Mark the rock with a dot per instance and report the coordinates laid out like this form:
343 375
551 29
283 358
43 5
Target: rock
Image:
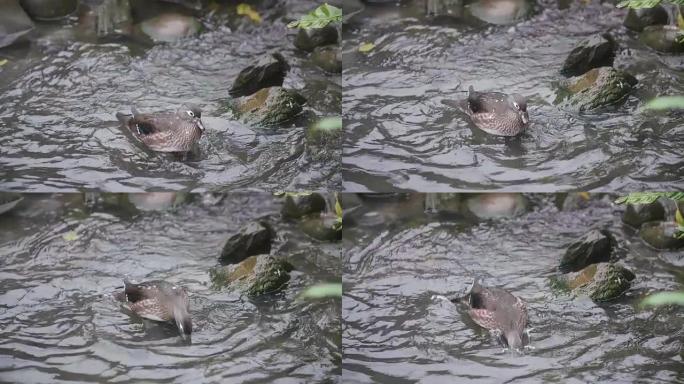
170 27
325 131
636 215
500 12
323 227
9 200
14 23
269 71
49 9
601 281
328 58
308 39
299 205
638 19
596 51
661 235
444 8
269 106
496 205
593 247
572 201
663 38
253 276
599 87
253 239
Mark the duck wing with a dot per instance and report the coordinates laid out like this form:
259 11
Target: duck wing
480 102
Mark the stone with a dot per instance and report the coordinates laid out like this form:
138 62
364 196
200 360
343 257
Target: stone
636 215
253 239
170 27
298 205
49 9
253 276
661 235
601 281
324 227
14 23
596 51
269 71
598 88
269 106
638 19
308 39
663 38
593 247
328 58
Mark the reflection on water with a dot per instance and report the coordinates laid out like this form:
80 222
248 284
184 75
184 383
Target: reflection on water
397 257
58 98
399 134
62 259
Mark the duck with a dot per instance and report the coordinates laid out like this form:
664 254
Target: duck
160 301
494 112
175 132
499 311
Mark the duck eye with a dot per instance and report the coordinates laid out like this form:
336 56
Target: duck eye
516 105
190 113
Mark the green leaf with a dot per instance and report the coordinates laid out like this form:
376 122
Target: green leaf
637 4
664 298
648 197
322 291
318 18
70 236
666 102
366 47
338 207
247 10
329 123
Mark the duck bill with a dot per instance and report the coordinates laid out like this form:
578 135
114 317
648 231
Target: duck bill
525 118
200 125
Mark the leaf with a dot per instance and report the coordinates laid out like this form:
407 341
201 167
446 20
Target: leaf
648 197
679 218
664 298
637 4
366 47
3 62
338 207
247 10
666 102
329 123
322 291
318 18
70 236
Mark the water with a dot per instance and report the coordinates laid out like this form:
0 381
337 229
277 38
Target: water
59 322
396 258
399 135
59 95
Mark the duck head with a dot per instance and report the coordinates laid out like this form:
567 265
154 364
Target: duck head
191 113
182 318
519 104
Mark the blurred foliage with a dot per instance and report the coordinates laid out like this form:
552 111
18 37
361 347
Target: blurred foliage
247 10
366 47
322 291
650 197
636 4
664 298
318 18
338 212
666 102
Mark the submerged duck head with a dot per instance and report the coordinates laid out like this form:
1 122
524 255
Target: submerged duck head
500 312
191 113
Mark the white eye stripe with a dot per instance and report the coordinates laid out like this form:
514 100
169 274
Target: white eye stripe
190 113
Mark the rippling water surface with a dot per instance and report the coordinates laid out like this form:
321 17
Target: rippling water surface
58 98
399 135
59 323
396 258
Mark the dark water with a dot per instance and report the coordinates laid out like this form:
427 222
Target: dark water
58 97
59 323
396 258
399 135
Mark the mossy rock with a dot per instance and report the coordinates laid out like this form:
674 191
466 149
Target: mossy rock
328 58
601 281
49 9
308 39
663 38
299 205
636 215
595 51
593 247
254 276
661 235
638 19
269 106
598 88
269 71
253 239
322 227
